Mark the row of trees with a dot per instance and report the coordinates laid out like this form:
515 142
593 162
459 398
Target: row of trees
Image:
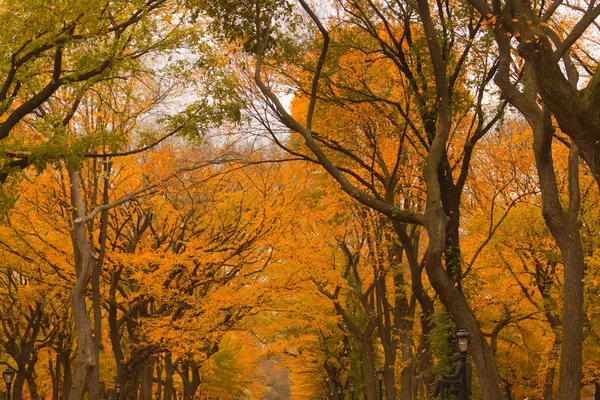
422 128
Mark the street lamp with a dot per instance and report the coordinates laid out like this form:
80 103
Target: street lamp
118 388
463 340
339 390
351 387
331 394
380 379
157 395
8 375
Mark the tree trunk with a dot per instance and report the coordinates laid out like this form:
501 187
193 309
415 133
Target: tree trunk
451 297
33 389
424 353
370 380
572 339
549 383
17 388
146 384
169 371
68 376
551 372
407 356
84 265
464 318
97 311
564 226
159 384
388 334
97 273
56 377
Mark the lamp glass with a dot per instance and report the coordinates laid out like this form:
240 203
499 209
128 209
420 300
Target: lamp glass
339 390
463 344
118 388
463 339
351 386
7 375
379 375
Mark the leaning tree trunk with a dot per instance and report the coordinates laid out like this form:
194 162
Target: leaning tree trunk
436 222
458 307
84 265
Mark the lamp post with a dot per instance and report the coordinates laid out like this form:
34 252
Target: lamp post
157 395
351 387
331 394
339 390
463 340
380 379
8 376
118 388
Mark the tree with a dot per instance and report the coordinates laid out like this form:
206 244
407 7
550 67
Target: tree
437 115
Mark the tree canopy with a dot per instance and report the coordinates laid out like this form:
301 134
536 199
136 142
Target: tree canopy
293 199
